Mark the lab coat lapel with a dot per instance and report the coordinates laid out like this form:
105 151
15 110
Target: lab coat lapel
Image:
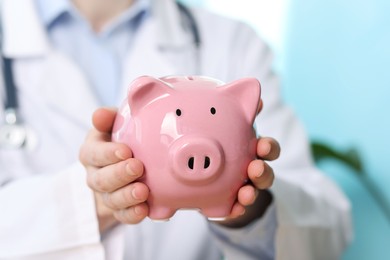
55 83
38 69
66 89
22 35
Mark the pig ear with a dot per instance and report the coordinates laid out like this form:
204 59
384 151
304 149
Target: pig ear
248 92
145 90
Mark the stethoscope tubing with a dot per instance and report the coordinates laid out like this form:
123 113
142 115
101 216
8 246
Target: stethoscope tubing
11 101
192 24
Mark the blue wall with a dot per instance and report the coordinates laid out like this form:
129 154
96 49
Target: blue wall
337 78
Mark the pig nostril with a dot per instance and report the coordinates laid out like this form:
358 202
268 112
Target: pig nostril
206 162
191 163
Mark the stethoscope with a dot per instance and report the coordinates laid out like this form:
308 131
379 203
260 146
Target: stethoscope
14 134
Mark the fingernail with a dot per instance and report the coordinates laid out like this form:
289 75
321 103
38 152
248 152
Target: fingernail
119 155
131 170
137 210
134 194
261 171
266 148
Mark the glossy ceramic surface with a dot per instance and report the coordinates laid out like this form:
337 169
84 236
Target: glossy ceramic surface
195 137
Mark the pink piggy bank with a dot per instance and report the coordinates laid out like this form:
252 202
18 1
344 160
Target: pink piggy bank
195 137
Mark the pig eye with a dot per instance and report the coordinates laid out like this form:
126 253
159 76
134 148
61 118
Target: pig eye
178 112
213 110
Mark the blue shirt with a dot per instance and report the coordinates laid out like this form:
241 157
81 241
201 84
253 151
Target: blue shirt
99 55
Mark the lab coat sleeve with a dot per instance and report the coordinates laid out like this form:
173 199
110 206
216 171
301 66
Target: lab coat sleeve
41 218
255 241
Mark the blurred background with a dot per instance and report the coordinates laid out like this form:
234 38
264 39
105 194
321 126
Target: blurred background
333 58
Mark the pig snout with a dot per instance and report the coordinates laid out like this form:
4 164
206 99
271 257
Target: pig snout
196 159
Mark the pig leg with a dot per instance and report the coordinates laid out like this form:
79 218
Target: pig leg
161 212
215 213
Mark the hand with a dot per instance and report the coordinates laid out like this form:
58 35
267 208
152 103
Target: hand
254 198
112 174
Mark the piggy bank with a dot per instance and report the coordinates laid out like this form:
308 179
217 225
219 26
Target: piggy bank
195 137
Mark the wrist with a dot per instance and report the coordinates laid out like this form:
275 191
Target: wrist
252 212
104 214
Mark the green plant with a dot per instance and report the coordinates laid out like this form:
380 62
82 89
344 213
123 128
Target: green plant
351 158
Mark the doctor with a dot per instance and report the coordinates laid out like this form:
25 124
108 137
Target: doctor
69 58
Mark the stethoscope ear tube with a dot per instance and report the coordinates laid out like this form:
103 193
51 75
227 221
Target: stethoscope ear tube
193 27
11 100
192 23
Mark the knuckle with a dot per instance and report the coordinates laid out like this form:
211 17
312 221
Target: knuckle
132 215
82 154
120 173
121 199
120 215
125 196
85 148
125 216
107 200
90 182
93 157
99 183
108 154
94 181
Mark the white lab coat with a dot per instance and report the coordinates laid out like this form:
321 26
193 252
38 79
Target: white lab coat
47 211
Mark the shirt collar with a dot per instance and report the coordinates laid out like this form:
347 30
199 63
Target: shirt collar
50 10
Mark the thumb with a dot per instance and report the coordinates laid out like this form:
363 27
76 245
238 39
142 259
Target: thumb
103 119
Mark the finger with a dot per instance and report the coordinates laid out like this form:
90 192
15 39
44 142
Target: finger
103 119
261 174
127 196
237 210
246 195
115 176
97 152
268 148
260 107
132 215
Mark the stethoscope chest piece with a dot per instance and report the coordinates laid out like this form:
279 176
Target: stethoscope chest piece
12 136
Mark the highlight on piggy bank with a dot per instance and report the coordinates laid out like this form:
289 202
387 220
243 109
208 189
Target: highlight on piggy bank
195 137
